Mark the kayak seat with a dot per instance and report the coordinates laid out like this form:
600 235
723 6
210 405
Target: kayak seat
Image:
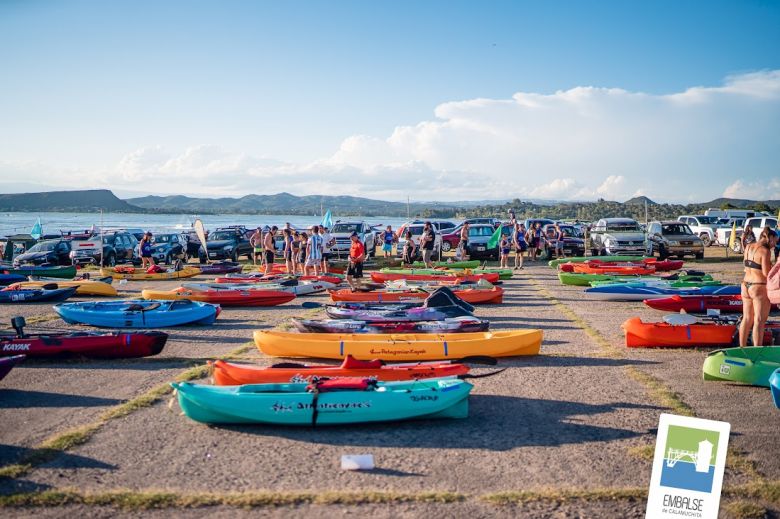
351 362
141 308
340 384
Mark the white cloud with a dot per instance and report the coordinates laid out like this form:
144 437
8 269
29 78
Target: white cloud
768 189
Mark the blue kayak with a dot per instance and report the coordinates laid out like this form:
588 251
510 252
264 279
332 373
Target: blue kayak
138 313
624 292
774 383
36 295
9 279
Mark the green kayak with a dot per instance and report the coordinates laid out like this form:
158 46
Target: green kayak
66 272
751 365
585 280
293 404
471 264
581 259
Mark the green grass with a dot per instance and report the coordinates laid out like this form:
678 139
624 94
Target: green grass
562 496
745 510
660 392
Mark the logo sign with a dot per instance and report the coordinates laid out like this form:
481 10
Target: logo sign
690 456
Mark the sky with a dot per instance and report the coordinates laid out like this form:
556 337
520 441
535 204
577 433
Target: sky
432 100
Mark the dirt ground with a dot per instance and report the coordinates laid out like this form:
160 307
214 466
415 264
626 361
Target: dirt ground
567 433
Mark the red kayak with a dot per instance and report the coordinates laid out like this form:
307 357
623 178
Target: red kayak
113 345
381 277
698 304
276 278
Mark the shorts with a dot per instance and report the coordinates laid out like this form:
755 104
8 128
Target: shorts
288 255
311 262
269 256
426 254
521 247
559 246
387 247
258 251
326 256
504 252
355 270
146 255
534 243
464 244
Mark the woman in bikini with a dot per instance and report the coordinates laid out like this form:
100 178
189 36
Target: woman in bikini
755 301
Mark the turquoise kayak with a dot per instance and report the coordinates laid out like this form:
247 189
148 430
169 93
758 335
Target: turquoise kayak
138 313
351 401
774 383
582 259
751 365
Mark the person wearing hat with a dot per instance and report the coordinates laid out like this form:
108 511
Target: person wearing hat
357 255
145 247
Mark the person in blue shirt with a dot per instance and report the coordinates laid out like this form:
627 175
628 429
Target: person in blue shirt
388 238
145 248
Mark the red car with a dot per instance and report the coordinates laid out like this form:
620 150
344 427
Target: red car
451 240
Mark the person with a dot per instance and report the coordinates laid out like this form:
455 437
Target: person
268 247
256 241
145 247
409 251
427 241
357 254
288 251
538 239
503 248
558 237
314 251
529 237
327 242
755 301
463 244
512 217
296 251
302 252
520 245
748 237
388 237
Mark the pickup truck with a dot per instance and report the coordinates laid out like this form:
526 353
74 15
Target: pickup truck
342 231
617 236
705 227
228 243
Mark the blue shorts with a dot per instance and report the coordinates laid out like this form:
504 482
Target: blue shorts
521 247
387 247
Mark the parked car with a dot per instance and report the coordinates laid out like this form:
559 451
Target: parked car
192 246
573 241
495 222
167 248
723 233
673 238
758 223
451 239
115 247
479 236
51 252
531 222
227 243
617 236
342 231
417 229
702 226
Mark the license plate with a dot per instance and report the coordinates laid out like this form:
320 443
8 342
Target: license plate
480 248
212 255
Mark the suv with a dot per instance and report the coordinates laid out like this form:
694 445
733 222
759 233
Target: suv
52 252
117 247
227 243
705 227
479 236
166 248
495 222
573 242
341 232
673 239
417 229
759 222
530 223
617 236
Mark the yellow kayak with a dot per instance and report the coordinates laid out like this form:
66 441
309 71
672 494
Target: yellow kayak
136 274
84 287
400 347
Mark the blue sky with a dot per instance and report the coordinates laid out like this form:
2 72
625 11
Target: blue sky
121 92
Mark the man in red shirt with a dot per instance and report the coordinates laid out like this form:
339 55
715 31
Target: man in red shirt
357 254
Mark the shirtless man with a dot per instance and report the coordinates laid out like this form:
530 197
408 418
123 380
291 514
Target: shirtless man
268 247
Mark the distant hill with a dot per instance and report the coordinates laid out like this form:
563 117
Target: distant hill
639 200
285 203
66 201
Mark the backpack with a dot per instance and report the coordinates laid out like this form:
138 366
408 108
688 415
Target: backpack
773 284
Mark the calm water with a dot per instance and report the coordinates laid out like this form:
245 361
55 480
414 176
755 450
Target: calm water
684 475
11 223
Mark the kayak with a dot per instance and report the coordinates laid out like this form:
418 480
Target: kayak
292 286
224 295
581 259
753 365
9 279
469 295
84 287
640 334
620 292
114 345
281 268
586 280
441 304
659 283
138 313
35 295
134 274
224 267
699 304
467 264
465 324
329 402
230 374
399 347
381 277
628 269
774 384
275 278
63 272
8 363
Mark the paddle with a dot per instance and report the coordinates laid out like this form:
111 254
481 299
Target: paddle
311 304
477 359
484 375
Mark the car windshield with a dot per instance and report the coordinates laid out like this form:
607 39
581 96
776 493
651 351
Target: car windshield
345 228
707 220
222 235
416 231
481 231
163 238
44 246
675 229
623 227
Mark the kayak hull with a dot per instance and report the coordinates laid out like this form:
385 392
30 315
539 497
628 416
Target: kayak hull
698 304
221 268
640 334
470 295
114 345
774 384
381 277
224 297
84 287
35 295
400 347
8 363
451 325
293 405
581 259
627 293
751 365
141 275
138 313
63 272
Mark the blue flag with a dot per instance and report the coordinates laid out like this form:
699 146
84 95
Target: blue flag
327 221
37 230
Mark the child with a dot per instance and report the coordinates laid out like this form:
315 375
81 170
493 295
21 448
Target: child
504 247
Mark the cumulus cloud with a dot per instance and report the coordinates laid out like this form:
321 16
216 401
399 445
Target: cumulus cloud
768 189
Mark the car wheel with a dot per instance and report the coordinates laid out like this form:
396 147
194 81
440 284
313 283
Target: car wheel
111 260
699 255
705 238
446 246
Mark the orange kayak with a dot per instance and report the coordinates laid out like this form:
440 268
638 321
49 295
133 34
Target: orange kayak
470 295
381 277
230 374
640 334
627 269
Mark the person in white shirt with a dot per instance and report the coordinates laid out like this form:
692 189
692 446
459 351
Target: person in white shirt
327 242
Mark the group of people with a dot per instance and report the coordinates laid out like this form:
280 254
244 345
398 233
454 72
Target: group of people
304 253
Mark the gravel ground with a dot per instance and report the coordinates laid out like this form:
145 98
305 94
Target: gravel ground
567 419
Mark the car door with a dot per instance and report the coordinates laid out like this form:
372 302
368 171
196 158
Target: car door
63 253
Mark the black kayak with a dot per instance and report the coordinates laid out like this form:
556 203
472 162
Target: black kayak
36 295
441 304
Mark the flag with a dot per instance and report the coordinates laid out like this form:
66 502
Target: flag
327 221
493 241
37 230
733 237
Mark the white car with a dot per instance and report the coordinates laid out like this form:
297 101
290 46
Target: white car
703 226
759 222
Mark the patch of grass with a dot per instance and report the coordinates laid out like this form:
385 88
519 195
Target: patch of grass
745 510
660 392
643 452
562 496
